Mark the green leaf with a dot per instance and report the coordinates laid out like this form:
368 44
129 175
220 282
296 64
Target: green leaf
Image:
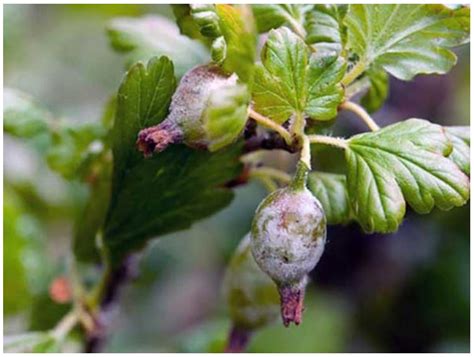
46 313
378 90
406 40
331 191
16 241
25 266
23 117
93 214
219 50
324 30
143 100
207 19
171 190
272 16
226 115
68 148
184 20
289 81
72 146
149 36
231 28
30 342
461 140
405 161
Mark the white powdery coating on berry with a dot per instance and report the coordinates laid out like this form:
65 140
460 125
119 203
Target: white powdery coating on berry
192 97
288 235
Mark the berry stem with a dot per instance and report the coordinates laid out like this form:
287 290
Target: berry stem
306 152
299 180
361 113
328 140
270 124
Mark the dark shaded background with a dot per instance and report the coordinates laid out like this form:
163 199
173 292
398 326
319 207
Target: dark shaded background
404 292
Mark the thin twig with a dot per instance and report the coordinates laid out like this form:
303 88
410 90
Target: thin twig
268 123
361 113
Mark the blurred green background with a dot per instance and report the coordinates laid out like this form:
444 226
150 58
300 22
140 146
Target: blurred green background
404 292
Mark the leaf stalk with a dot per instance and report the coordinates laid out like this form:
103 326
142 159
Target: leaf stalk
328 140
361 113
270 124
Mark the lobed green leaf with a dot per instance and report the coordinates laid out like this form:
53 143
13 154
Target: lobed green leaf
461 140
407 39
272 16
289 81
171 190
405 161
324 29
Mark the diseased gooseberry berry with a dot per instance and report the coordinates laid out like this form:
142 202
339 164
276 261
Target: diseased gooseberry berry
188 122
288 236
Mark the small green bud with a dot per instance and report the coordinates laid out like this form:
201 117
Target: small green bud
288 237
207 111
252 297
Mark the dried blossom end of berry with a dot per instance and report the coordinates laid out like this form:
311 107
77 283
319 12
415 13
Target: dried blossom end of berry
157 138
292 303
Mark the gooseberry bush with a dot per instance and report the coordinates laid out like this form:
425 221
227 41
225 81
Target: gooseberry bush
193 113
